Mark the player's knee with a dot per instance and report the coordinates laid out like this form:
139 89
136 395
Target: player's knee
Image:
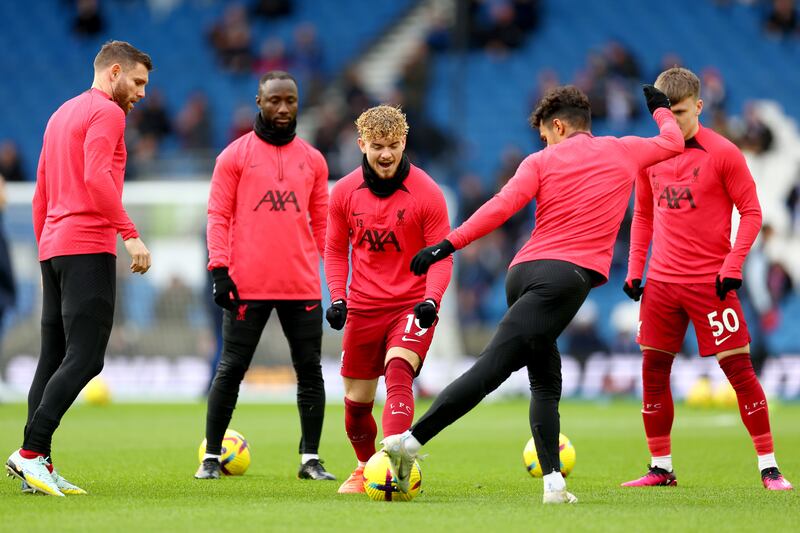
230 371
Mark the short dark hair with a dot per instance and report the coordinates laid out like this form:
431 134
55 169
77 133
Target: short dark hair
276 75
566 102
123 53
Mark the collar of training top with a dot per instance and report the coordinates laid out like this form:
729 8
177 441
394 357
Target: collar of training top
268 133
385 187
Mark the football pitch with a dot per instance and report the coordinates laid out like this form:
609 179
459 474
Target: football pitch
137 463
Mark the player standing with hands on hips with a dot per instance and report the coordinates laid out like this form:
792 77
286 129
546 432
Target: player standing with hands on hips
77 215
684 207
582 185
380 214
266 234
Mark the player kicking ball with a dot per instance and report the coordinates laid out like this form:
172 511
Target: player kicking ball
684 206
582 185
380 215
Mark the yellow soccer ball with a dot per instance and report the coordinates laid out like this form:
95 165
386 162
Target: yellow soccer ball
235 458
566 453
724 395
380 485
700 394
97 392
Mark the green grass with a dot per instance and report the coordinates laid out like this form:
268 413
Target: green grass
137 463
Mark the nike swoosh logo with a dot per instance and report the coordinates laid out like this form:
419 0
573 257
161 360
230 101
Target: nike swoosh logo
255 165
358 214
410 340
399 413
435 252
648 412
720 341
311 307
754 411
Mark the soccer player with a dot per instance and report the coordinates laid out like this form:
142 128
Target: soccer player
684 206
77 214
266 234
581 184
380 214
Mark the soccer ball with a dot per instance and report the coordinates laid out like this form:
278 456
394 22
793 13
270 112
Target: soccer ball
380 485
235 456
700 394
97 392
724 395
566 453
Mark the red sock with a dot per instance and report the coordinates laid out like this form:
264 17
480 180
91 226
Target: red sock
361 428
752 402
657 408
398 412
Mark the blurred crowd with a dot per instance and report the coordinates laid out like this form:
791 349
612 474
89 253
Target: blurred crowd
611 77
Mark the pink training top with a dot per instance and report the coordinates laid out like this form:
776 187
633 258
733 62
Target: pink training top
385 234
684 204
267 212
582 186
77 205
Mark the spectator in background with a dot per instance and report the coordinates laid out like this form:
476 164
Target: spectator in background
174 302
152 118
88 20
272 8
582 337
754 135
713 91
621 62
232 39
242 122
8 289
193 124
11 167
271 57
308 62
783 19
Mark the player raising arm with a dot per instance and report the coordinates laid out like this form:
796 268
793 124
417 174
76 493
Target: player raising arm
684 207
582 185
380 215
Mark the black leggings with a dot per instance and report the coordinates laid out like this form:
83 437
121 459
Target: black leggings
78 293
542 296
301 321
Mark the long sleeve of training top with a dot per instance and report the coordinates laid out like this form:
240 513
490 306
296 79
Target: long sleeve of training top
582 186
267 216
685 204
77 206
641 227
379 237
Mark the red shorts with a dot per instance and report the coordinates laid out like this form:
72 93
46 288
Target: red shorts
667 308
369 333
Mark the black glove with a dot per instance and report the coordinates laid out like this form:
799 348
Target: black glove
727 284
425 313
428 256
336 315
633 289
655 98
224 287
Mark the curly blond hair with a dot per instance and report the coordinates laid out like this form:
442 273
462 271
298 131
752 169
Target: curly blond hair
382 122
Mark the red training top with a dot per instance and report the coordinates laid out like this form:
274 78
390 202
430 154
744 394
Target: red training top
385 234
582 186
77 205
684 204
266 218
